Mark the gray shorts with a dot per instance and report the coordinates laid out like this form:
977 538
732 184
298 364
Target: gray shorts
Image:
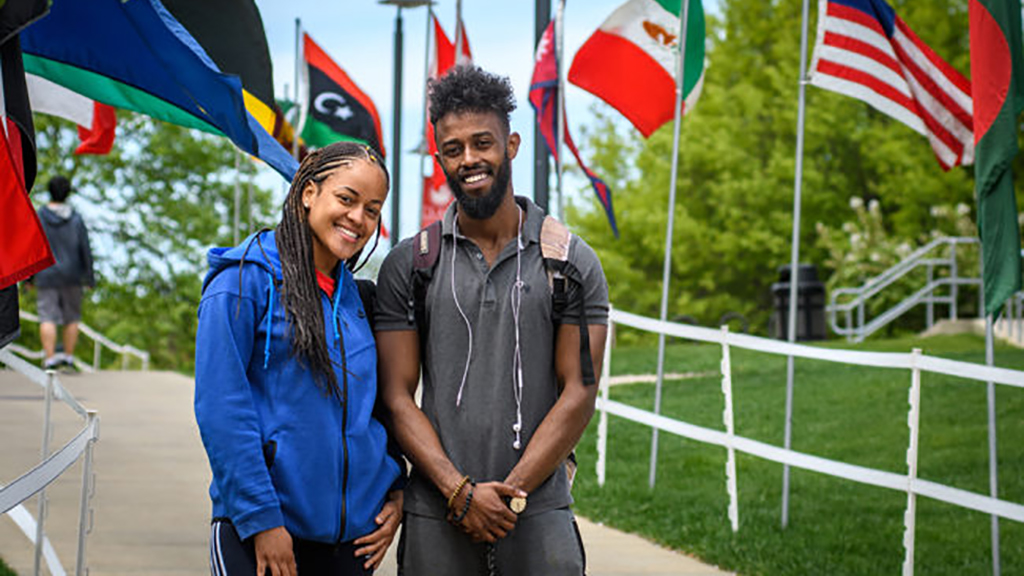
542 544
60 305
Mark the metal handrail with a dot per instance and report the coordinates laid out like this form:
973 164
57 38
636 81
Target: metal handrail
99 340
52 466
857 327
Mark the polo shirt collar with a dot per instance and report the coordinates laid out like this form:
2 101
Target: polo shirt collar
531 228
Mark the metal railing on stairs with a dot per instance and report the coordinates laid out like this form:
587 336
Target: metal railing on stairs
99 342
51 466
942 287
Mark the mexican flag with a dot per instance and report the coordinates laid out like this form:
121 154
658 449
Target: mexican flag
630 61
998 97
333 107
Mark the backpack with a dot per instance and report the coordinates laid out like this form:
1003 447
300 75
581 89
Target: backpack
554 245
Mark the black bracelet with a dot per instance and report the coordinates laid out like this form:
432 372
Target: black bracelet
457 519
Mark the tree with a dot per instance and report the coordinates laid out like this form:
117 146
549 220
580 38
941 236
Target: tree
733 217
154 206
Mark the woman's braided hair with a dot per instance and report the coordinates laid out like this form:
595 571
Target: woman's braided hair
300 291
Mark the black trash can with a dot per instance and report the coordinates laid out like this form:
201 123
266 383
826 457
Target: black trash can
810 304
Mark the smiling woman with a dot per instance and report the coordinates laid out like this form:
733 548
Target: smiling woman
301 472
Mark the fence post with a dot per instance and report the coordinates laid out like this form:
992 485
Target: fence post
955 285
602 422
95 355
45 453
88 488
913 422
860 320
730 431
124 360
930 308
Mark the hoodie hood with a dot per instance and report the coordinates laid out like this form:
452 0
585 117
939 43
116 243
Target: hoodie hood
56 215
259 248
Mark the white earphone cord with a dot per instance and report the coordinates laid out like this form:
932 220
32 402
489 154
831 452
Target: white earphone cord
469 328
516 300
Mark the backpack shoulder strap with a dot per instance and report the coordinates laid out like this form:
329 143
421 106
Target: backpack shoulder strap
426 250
555 240
368 295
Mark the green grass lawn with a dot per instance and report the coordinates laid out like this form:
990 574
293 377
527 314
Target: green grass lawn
847 413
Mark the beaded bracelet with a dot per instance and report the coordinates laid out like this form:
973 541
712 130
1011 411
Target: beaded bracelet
458 488
457 519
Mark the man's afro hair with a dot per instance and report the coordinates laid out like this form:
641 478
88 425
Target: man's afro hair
468 88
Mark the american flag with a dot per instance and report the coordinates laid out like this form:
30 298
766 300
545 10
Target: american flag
544 98
864 50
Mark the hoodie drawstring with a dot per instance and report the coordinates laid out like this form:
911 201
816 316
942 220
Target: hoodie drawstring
270 316
334 309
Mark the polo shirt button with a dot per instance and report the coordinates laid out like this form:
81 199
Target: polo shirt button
479 256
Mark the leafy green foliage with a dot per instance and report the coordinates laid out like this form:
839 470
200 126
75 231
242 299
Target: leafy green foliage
846 413
733 213
154 206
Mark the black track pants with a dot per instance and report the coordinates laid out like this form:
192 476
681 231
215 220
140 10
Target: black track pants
231 556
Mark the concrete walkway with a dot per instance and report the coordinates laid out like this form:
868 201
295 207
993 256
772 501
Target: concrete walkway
151 507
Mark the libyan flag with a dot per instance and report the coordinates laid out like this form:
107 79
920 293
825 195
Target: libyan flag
630 61
335 108
998 98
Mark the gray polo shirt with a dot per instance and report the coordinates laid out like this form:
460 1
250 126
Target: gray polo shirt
477 435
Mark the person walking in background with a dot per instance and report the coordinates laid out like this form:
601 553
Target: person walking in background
286 383
59 288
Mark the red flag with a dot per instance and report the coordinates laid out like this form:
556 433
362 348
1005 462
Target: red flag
98 138
25 249
436 194
96 122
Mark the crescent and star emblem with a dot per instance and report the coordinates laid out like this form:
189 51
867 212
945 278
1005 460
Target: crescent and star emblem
333 104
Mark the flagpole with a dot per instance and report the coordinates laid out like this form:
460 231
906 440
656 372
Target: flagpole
425 152
794 261
993 453
298 63
458 31
396 136
541 195
993 466
560 116
667 268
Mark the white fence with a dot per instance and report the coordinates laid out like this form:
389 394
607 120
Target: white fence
51 467
909 483
99 341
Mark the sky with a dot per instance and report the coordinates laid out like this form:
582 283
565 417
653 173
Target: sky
359 36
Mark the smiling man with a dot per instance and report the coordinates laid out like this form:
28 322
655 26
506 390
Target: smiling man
508 335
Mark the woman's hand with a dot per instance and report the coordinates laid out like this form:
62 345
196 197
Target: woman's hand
374 545
274 552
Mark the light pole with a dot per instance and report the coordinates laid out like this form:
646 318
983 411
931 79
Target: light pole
396 138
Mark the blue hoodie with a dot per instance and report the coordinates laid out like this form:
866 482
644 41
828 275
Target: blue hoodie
283 451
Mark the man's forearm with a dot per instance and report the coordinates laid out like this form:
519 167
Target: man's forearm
421 445
555 438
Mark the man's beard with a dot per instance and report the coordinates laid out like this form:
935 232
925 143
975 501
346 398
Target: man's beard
483 207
